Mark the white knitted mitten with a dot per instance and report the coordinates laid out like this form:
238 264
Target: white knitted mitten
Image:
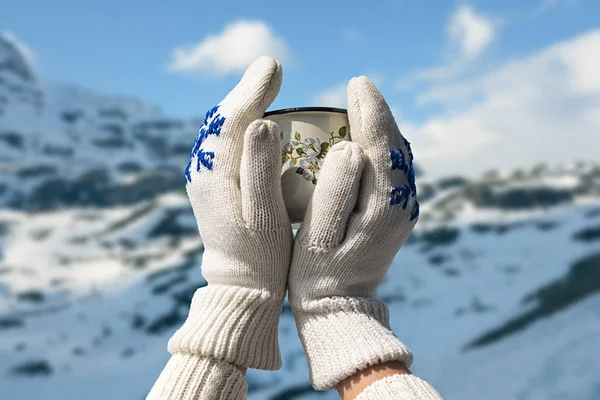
234 186
349 236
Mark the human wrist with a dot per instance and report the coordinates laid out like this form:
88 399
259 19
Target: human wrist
398 386
352 386
193 377
352 331
234 324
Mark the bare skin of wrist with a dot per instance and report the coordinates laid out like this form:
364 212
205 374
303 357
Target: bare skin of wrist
352 386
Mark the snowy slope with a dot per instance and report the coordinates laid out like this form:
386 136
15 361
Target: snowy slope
497 292
60 143
82 309
91 297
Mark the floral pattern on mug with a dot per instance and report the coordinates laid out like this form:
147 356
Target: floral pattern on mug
308 154
309 167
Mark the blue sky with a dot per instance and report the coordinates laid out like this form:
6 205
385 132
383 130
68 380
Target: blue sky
435 61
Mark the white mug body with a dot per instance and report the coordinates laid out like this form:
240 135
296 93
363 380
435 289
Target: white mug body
306 136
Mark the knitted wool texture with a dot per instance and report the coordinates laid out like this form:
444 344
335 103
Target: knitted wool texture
352 230
189 377
234 186
399 387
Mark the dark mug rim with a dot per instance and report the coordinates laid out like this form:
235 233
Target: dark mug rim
306 109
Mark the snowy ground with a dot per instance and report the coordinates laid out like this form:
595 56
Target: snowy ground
85 318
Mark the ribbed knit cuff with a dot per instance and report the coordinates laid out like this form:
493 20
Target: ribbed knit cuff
404 386
233 324
342 335
189 377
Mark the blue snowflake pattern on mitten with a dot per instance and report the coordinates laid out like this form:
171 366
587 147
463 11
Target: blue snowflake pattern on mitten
400 194
398 160
411 180
212 125
415 212
409 150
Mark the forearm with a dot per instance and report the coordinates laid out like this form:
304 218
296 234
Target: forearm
344 335
386 381
352 386
227 330
192 377
351 347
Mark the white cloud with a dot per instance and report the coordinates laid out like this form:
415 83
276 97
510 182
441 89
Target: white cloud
543 108
25 51
469 34
438 73
333 97
231 50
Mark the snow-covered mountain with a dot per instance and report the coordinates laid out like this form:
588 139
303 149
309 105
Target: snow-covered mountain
497 292
62 145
